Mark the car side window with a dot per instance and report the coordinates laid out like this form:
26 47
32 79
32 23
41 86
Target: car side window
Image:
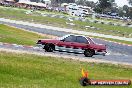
70 38
81 39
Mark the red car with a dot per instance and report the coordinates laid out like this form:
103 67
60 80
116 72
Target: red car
73 43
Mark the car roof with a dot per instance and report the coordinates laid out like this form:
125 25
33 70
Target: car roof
75 35
70 35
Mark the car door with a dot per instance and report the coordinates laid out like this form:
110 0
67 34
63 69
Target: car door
81 44
66 43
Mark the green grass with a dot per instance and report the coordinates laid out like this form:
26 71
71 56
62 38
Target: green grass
35 17
114 20
43 11
106 29
114 40
13 35
118 41
31 71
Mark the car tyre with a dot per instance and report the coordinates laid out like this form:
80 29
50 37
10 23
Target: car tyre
49 48
89 53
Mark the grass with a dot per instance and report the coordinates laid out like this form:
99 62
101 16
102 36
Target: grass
42 11
35 17
61 22
106 29
31 71
114 20
13 35
114 40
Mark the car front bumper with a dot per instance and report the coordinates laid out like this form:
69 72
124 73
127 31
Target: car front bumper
40 45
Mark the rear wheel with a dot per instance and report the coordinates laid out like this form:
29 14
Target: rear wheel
89 53
49 47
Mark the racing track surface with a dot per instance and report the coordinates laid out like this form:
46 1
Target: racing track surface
116 52
39 51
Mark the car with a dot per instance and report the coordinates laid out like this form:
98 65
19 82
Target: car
74 44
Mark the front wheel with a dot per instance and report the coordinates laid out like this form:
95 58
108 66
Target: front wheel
89 53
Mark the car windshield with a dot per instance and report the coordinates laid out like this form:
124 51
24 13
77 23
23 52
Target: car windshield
61 38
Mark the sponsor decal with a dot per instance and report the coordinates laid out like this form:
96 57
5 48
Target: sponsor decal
85 81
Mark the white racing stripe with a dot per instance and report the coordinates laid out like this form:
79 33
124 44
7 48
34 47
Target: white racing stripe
69 49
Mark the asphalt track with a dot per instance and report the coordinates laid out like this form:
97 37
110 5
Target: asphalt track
116 52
